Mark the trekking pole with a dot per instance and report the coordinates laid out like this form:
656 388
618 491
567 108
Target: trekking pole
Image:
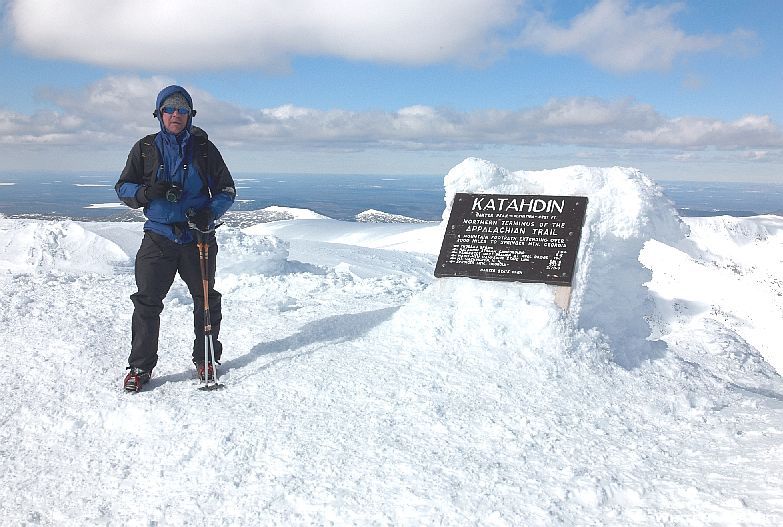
209 346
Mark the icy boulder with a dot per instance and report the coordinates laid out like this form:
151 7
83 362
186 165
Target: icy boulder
32 245
625 210
242 253
727 232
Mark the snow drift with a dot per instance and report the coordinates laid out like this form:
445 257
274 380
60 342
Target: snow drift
66 246
361 390
625 210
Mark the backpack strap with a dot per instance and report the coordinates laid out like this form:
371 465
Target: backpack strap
201 159
149 157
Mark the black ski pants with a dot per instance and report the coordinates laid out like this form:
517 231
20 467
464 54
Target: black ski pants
157 262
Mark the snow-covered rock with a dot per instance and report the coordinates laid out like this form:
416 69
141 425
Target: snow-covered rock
625 209
39 246
377 216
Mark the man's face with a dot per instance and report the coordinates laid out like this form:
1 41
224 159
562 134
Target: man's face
174 122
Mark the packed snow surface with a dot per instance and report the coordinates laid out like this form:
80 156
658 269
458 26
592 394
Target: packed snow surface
360 390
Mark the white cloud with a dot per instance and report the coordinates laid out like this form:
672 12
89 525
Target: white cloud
756 155
178 35
751 131
617 37
117 110
188 34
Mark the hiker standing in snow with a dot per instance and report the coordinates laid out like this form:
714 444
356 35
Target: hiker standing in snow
178 176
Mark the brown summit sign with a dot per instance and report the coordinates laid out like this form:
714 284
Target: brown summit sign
514 238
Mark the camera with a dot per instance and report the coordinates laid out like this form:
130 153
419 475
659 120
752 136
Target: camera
173 194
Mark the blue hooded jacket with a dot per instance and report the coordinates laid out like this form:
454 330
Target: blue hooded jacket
175 156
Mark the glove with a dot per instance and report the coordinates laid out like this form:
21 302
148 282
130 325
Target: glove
200 218
156 191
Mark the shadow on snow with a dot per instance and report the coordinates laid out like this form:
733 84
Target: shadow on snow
332 329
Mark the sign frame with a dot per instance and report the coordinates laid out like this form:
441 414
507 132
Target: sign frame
516 238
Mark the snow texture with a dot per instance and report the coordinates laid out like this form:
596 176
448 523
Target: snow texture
360 390
377 216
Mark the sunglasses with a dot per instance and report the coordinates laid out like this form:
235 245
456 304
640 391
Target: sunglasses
171 109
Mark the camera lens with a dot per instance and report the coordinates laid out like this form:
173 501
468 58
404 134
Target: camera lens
173 194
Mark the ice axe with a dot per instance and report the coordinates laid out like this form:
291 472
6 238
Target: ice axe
202 243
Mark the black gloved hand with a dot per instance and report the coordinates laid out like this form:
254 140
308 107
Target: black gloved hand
200 218
156 191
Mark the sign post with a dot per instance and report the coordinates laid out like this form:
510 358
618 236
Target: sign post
514 238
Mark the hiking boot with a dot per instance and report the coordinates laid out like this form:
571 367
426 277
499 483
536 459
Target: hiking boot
206 372
135 378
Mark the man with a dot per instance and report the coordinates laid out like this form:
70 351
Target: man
178 176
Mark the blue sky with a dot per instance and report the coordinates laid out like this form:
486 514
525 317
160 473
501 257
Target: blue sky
687 90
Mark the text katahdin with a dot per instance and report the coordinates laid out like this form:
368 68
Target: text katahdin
518 205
